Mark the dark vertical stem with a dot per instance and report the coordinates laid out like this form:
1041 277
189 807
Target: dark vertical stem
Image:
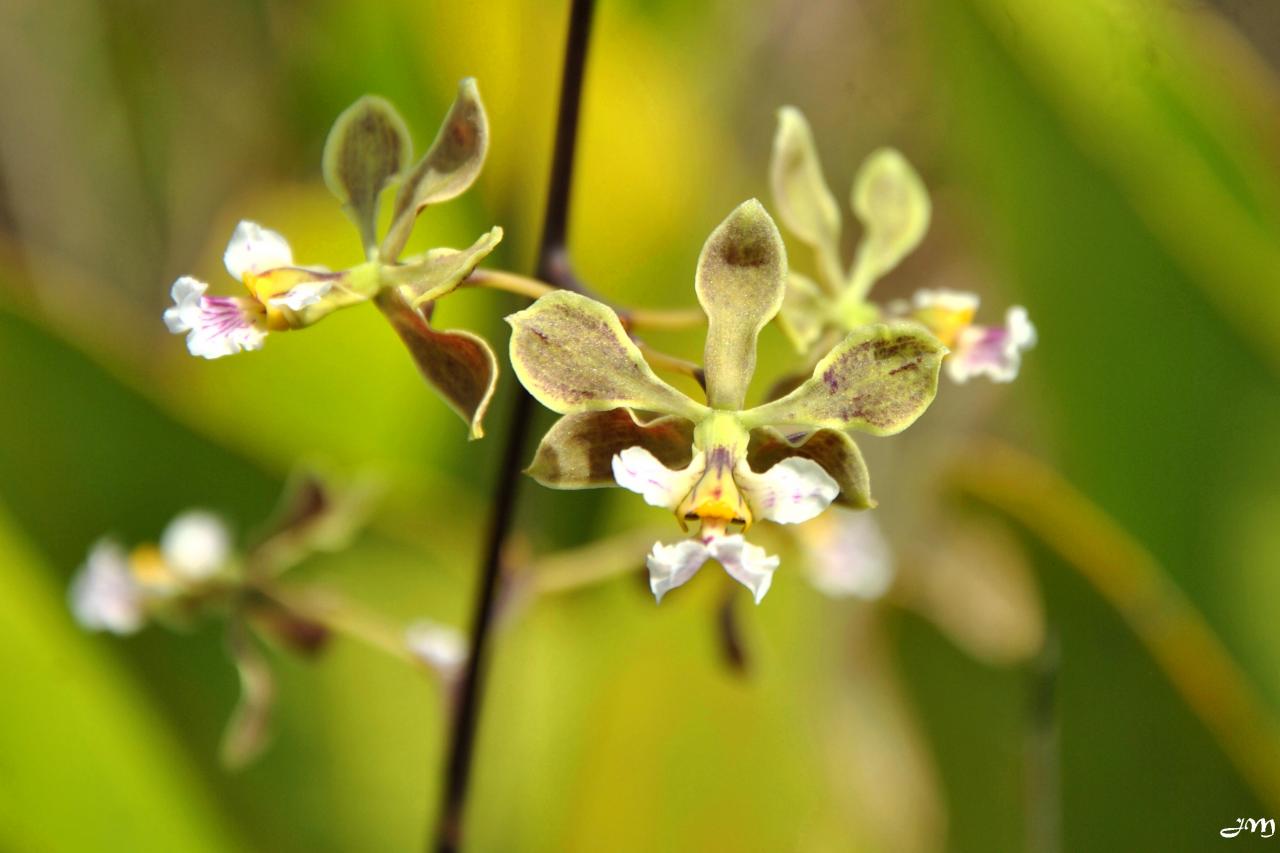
1043 789
553 267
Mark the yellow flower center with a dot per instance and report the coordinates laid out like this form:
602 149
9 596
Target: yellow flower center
946 323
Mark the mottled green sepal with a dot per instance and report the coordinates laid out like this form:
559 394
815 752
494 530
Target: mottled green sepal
573 355
368 146
805 202
835 451
804 312
879 379
459 365
577 452
740 284
893 205
449 167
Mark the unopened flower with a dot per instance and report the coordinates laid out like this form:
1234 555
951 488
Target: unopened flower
440 647
892 204
720 464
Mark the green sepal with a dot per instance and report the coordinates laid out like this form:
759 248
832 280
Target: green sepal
573 355
740 283
440 271
879 379
805 203
893 205
450 166
367 147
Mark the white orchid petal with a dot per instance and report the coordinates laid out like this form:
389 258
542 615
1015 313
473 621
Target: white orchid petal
792 491
992 351
217 325
671 566
748 564
946 300
438 646
640 471
848 555
254 249
103 595
196 545
301 296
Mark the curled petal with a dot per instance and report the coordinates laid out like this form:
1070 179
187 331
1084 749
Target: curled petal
196 545
573 355
459 365
879 379
254 249
578 451
792 491
834 450
637 470
216 325
993 351
805 202
442 270
103 595
449 167
748 564
671 566
740 284
848 555
301 296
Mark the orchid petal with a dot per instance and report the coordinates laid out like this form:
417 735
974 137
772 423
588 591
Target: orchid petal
740 284
254 249
578 451
671 566
217 325
196 545
993 351
301 296
638 470
834 450
848 555
792 491
748 564
103 595
440 647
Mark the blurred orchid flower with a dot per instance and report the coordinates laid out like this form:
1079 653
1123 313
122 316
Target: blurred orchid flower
367 149
721 464
440 647
891 202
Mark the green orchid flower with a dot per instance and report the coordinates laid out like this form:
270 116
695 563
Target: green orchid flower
718 463
367 150
891 203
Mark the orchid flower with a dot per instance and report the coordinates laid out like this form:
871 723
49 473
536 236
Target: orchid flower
720 464
892 204
367 149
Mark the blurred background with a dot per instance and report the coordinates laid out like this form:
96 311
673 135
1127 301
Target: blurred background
1081 652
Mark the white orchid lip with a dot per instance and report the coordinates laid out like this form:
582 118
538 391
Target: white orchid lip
216 325
671 566
196 545
104 595
992 351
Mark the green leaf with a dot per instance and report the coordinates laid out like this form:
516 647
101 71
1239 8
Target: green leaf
85 763
805 203
441 271
573 355
367 147
577 452
893 205
449 167
740 283
879 379
459 365
834 450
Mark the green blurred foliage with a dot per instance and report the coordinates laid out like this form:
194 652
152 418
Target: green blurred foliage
1111 165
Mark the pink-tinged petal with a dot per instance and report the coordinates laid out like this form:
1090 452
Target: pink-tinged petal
794 490
748 564
640 471
302 295
992 351
254 249
103 595
671 566
196 545
216 325
848 555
